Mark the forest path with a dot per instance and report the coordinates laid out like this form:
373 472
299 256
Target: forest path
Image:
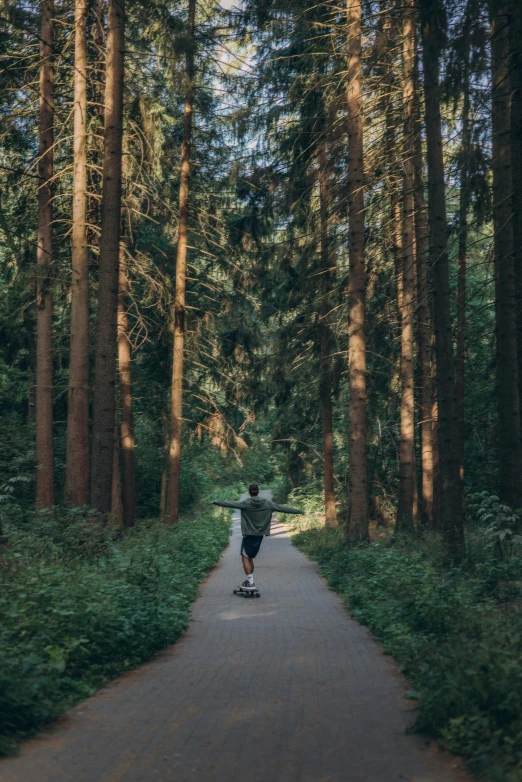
278 689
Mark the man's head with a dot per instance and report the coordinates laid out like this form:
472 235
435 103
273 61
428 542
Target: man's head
253 489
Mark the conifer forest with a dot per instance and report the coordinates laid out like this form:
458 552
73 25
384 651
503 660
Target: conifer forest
276 242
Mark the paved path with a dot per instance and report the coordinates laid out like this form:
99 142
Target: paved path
285 688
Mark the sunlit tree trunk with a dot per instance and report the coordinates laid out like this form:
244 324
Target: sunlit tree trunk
462 260
405 511
357 522
451 500
106 327
423 332
165 470
510 452
325 353
98 37
44 256
424 340
127 421
172 512
77 456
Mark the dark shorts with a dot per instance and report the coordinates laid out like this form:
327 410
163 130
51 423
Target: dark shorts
251 545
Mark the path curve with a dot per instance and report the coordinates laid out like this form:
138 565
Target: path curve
285 688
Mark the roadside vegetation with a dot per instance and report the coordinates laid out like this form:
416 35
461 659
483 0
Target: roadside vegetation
456 633
80 605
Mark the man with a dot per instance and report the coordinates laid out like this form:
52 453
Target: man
256 514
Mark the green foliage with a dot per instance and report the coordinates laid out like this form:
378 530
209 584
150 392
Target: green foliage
79 605
500 523
459 646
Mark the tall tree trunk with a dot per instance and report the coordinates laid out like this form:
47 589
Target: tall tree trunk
165 470
515 36
116 503
357 522
405 511
77 454
106 328
44 256
98 37
97 64
325 354
451 500
462 259
127 422
181 265
510 450
424 335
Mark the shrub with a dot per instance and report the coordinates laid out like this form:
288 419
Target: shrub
79 605
459 647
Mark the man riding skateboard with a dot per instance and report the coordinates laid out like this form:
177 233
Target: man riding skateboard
256 514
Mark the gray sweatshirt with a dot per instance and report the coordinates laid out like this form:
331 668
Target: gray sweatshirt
256 513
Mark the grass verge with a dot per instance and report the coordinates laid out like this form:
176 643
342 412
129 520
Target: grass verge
80 605
457 636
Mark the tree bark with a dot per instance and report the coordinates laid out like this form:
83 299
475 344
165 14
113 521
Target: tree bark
106 327
423 332
127 421
44 262
325 355
172 513
451 500
116 503
462 260
165 470
77 452
357 522
510 450
405 510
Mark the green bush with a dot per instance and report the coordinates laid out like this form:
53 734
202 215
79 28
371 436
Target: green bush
458 642
80 605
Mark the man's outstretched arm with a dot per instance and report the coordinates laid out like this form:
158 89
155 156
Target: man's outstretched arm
226 504
285 509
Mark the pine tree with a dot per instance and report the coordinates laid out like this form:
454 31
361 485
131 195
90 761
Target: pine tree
407 478
77 460
451 499
106 325
510 452
44 264
181 273
424 331
357 523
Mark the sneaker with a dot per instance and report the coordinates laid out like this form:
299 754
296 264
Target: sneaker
246 586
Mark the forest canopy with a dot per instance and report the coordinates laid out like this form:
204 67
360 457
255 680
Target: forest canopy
287 226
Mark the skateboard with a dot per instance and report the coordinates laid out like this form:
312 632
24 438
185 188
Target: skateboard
252 593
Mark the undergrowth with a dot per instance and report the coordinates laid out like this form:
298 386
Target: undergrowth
80 605
456 634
